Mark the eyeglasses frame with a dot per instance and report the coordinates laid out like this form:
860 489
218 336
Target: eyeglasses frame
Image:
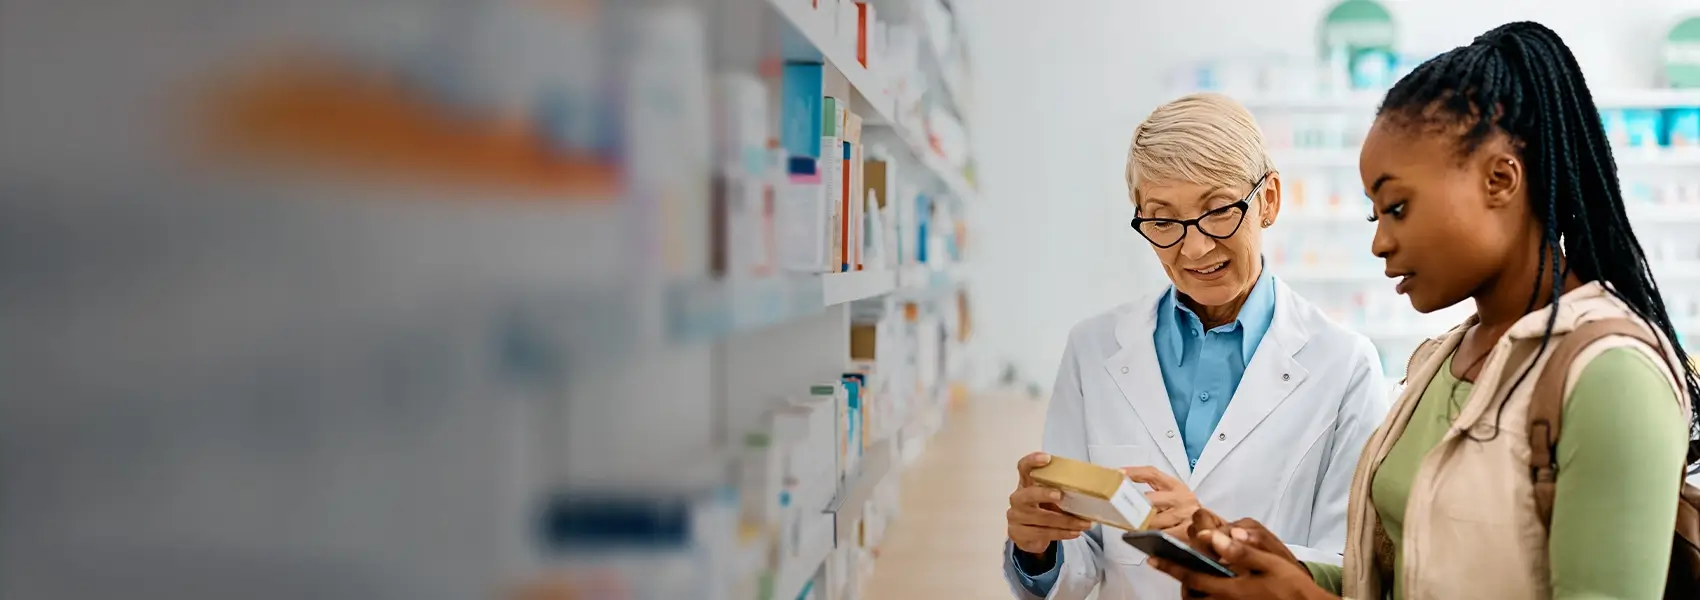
1244 204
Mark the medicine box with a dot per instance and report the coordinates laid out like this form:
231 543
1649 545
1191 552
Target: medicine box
1095 493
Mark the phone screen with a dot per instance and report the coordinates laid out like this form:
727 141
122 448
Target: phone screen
1166 547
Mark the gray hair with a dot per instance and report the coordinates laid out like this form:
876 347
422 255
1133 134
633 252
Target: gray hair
1200 138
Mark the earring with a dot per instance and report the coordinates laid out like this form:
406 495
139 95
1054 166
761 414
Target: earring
1266 223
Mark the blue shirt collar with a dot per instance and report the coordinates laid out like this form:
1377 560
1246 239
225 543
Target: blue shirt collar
1255 318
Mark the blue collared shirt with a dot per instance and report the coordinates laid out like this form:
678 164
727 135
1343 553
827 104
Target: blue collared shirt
1201 370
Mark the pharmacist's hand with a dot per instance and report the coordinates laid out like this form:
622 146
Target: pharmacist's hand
1171 502
1035 522
1261 575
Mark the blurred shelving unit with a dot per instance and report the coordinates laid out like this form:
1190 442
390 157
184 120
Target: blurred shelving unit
491 295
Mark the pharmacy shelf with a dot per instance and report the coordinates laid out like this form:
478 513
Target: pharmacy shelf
1366 102
953 179
853 494
838 288
933 50
700 310
811 37
797 572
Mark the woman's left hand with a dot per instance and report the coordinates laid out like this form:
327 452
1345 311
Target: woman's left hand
1172 502
1261 575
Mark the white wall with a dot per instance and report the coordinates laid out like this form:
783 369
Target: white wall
1060 86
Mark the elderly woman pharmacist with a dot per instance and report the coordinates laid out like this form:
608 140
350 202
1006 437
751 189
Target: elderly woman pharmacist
1225 388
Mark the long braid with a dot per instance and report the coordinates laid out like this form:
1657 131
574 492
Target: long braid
1522 80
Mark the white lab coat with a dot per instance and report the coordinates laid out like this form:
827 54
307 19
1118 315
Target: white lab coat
1283 453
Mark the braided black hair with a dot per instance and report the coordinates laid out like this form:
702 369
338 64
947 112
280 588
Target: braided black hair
1522 81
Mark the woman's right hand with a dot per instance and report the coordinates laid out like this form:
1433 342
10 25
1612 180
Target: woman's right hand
1035 522
1261 575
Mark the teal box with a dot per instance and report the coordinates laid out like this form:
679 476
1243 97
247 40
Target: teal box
1681 127
1642 127
800 109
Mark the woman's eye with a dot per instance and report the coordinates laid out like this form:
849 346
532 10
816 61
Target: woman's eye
1397 211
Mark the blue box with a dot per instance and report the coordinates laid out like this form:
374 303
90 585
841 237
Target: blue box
1681 127
800 109
1642 127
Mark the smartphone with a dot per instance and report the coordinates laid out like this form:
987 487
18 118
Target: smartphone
1166 547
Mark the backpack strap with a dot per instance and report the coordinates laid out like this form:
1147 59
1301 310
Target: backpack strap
1546 406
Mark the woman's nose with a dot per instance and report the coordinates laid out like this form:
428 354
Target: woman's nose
1196 244
1382 244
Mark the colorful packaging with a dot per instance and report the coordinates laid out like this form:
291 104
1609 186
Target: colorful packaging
1642 127
1682 127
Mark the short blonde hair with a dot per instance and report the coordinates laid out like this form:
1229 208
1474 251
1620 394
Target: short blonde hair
1199 138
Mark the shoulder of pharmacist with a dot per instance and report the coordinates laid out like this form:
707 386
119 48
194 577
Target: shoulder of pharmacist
1325 341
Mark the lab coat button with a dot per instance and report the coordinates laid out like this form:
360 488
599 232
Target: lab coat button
1286 376
1124 370
1222 437
1171 433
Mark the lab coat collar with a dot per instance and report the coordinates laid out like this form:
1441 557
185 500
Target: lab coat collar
1271 376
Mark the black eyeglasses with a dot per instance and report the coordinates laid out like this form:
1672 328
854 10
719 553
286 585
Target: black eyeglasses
1221 223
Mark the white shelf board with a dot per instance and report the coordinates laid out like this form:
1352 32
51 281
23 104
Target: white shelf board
849 287
1641 158
1646 98
795 572
852 497
1363 102
710 309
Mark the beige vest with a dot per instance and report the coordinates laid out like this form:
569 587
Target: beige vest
1471 527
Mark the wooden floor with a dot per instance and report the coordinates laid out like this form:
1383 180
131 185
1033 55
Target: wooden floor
950 533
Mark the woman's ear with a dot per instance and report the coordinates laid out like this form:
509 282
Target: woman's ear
1269 202
1504 178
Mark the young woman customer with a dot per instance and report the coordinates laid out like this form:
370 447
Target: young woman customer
1492 181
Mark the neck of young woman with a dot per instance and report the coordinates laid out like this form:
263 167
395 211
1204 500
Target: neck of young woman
1505 298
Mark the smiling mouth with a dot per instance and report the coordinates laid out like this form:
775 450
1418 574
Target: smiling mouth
1210 269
